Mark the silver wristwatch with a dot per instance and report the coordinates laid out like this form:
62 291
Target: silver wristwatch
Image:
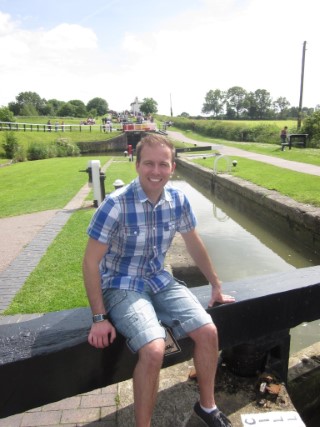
99 318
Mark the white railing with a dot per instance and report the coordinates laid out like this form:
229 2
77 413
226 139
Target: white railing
53 127
62 127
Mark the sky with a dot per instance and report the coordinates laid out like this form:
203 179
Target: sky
174 51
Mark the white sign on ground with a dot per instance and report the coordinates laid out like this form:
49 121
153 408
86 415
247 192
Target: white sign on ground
268 419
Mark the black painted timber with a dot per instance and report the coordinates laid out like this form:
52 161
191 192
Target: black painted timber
196 148
47 359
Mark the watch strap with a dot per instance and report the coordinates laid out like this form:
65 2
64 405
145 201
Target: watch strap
96 318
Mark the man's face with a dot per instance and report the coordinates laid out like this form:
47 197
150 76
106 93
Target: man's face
154 169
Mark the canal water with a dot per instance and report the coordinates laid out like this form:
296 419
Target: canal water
240 248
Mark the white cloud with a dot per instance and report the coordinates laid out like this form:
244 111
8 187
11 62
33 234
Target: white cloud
7 26
54 63
248 43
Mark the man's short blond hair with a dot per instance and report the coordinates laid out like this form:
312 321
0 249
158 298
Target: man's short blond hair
152 140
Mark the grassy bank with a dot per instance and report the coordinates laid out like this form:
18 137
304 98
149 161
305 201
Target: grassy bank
41 185
301 187
56 283
39 136
25 139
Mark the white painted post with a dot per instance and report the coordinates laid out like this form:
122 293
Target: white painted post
95 170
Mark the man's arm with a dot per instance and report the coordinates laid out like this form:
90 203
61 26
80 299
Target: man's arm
102 333
199 254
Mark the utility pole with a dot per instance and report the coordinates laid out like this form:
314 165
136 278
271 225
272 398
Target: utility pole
171 106
301 84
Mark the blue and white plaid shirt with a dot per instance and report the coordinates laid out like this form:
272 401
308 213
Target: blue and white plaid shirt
138 235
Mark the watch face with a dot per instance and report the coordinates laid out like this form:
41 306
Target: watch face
99 317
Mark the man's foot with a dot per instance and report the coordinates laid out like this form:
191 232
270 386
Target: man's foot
213 419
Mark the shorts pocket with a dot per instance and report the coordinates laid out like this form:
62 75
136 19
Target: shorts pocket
113 297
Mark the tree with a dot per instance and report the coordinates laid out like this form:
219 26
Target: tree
240 104
14 108
293 112
80 108
28 110
6 115
53 106
259 104
252 106
230 113
281 106
236 98
263 103
98 104
311 126
67 110
30 99
214 102
148 106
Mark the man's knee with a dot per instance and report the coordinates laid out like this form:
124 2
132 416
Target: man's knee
152 353
207 333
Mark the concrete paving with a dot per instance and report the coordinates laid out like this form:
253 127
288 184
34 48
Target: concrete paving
110 406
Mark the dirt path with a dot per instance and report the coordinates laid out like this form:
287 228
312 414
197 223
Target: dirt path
16 232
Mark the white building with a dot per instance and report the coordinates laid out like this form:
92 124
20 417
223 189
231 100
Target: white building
135 106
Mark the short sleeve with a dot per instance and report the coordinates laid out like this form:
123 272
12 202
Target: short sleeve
104 222
188 219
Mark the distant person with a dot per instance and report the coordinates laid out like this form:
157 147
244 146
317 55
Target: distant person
49 125
284 135
130 153
130 291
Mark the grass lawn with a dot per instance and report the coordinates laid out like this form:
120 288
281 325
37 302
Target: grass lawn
56 283
301 187
41 185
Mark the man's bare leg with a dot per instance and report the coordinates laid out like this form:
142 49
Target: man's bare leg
146 381
205 361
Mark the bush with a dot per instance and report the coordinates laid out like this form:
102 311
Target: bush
6 115
11 145
37 152
311 126
20 154
240 131
64 148
60 148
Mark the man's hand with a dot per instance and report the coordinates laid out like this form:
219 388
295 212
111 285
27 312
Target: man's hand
217 296
102 334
